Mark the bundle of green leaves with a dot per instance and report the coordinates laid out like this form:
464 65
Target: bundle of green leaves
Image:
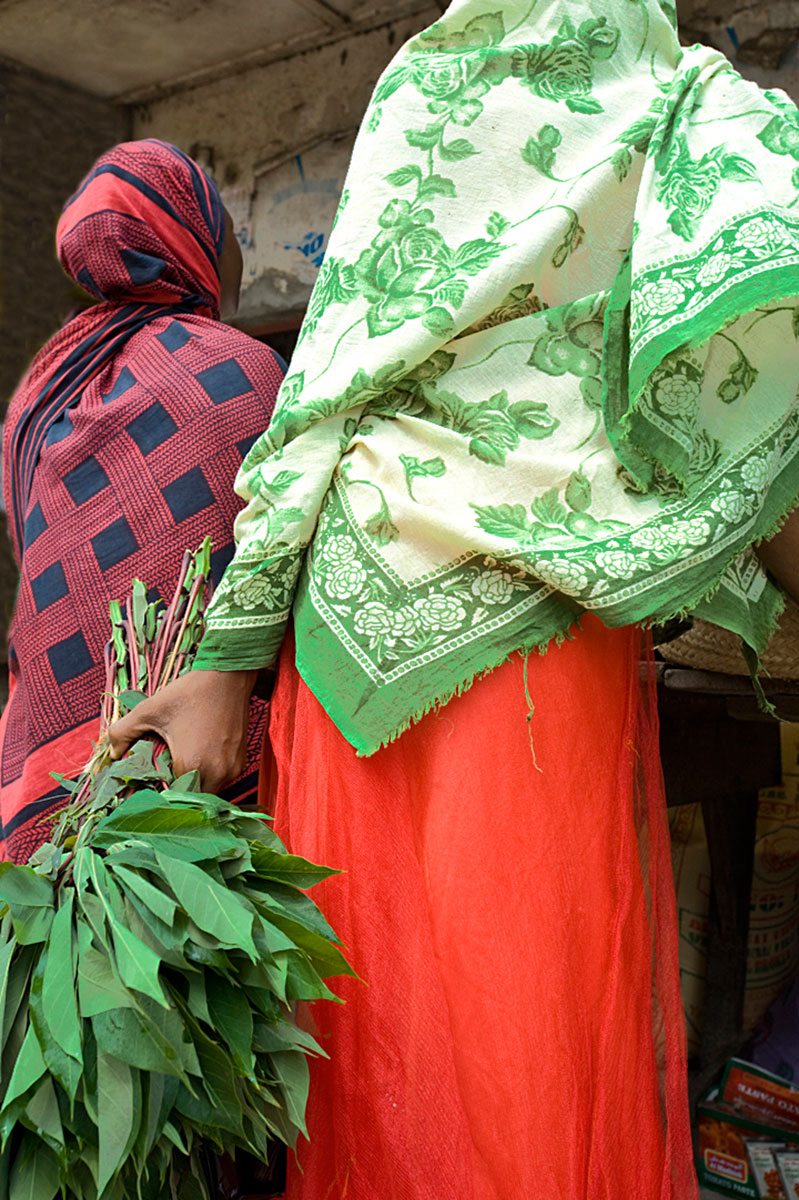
151 955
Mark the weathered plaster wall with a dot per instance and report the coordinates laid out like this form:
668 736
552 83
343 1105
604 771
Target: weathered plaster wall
49 135
760 36
278 139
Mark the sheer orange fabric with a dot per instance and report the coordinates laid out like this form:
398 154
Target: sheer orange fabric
518 1031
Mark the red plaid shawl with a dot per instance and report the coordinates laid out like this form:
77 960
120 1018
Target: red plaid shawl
121 446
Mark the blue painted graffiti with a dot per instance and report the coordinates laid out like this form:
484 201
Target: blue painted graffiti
311 246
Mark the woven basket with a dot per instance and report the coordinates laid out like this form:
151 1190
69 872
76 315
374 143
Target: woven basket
709 648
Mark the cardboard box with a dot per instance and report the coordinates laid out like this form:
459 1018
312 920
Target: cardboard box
748 1121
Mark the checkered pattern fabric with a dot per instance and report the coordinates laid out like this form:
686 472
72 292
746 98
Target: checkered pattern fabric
113 479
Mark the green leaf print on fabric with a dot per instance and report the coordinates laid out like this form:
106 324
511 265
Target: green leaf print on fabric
519 302
539 151
459 320
409 270
741 379
573 345
413 468
563 69
493 426
578 491
781 134
688 186
379 525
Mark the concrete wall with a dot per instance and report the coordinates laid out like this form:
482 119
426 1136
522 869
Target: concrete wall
49 136
278 140
760 36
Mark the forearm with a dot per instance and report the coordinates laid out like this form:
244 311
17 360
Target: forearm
780 556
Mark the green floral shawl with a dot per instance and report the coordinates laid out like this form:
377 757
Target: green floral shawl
549 366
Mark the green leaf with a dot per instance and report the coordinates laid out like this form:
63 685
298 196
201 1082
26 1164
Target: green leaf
6 957
303 981
457 149
198 1001
578 492
156 900
42 1115
639 134
424 139
15 987
23 886
475 255
231 1017
137 964
31 925
14 1038
496 225
186 833
533 419
189 781
795 322
436 185
548 508
737 169
129 699
504 520
291 1068
214 909
35 1174
28 1069
389 82
67 1070
584 104
621 161
773 136
300 907
99 988
403 175
485 29
291 868
58 987
439 321
326 959
129 1035
115 1113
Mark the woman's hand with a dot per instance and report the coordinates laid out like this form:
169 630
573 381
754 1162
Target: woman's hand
202 717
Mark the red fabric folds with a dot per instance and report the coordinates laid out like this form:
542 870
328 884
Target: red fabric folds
518 1031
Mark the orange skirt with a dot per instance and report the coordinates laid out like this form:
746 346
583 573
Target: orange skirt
507 903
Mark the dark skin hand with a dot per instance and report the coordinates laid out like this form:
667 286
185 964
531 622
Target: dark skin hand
202 717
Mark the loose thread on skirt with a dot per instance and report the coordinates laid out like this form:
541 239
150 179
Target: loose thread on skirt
530 710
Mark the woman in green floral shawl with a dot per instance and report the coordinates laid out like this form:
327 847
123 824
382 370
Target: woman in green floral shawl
546 388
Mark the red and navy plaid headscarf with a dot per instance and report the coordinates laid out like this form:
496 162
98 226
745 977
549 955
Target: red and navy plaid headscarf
143 233
121 447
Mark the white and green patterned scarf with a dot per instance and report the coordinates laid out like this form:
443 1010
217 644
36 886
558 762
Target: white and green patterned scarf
550 364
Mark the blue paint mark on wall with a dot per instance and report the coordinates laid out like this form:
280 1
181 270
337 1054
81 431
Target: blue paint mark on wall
312 247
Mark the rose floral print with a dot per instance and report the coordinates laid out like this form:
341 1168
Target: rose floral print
549 365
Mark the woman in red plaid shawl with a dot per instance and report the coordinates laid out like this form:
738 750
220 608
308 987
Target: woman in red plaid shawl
120 450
